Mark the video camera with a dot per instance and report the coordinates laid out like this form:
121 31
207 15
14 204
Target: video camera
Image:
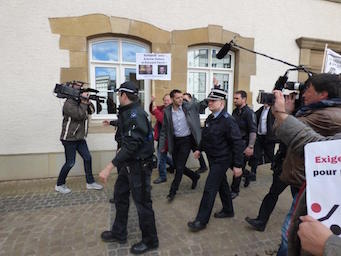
67 91
286 87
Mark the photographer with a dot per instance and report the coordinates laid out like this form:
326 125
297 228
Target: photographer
74 131
315 238
322 112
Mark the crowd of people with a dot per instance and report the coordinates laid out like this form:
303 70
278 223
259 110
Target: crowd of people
245 138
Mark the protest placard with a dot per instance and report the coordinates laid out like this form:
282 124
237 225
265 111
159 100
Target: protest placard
153 66
323 176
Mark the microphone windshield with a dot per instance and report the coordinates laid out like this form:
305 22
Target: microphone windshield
223 51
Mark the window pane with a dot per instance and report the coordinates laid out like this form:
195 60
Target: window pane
223 80
130 75
129 51
197 84
105 51
198 58
106 83
223 63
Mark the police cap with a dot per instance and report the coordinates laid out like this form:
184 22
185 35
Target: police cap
128 87
217 94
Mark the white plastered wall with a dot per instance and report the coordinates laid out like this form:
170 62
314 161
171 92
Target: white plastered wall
31 59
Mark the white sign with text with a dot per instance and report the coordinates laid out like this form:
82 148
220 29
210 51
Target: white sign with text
153 66
332 63
323 175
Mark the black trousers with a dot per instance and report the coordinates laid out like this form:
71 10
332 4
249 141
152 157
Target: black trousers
236 180
263 148
201 158
134 177
270 200
182 148
216 181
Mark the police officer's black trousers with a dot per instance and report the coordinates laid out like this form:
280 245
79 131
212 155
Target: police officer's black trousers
236 180
216 181
135 178
182 148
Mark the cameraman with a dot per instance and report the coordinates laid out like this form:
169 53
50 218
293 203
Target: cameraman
74 131
314 237
322 112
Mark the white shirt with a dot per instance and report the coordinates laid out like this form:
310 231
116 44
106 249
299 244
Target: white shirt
262 127
181 128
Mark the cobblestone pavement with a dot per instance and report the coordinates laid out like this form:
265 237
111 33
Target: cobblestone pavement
35 220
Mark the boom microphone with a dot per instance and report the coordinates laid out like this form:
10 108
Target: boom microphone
224 50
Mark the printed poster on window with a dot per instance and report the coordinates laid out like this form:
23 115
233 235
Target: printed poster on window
323 174
153 66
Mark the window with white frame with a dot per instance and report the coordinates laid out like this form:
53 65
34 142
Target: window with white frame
112 61
204 70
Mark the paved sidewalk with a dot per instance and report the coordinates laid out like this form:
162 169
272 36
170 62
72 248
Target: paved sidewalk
35 220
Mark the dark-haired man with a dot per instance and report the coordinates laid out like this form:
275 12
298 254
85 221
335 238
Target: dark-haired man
265 141
181 128
134 159
325 105
246 121
322 112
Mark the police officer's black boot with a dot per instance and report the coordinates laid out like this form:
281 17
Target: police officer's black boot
222 214
143 247
108 236
195 181
247 178
257 224
170 196
196 226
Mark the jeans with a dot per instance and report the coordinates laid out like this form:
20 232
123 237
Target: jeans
164 159
283 248
70 155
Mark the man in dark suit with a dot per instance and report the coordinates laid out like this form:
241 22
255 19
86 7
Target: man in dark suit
181 128
265 141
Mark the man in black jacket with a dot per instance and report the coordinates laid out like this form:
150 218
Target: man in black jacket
265 141
246 120
134 162
223 145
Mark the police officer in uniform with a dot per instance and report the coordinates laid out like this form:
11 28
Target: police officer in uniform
223 145
134 163
246 120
